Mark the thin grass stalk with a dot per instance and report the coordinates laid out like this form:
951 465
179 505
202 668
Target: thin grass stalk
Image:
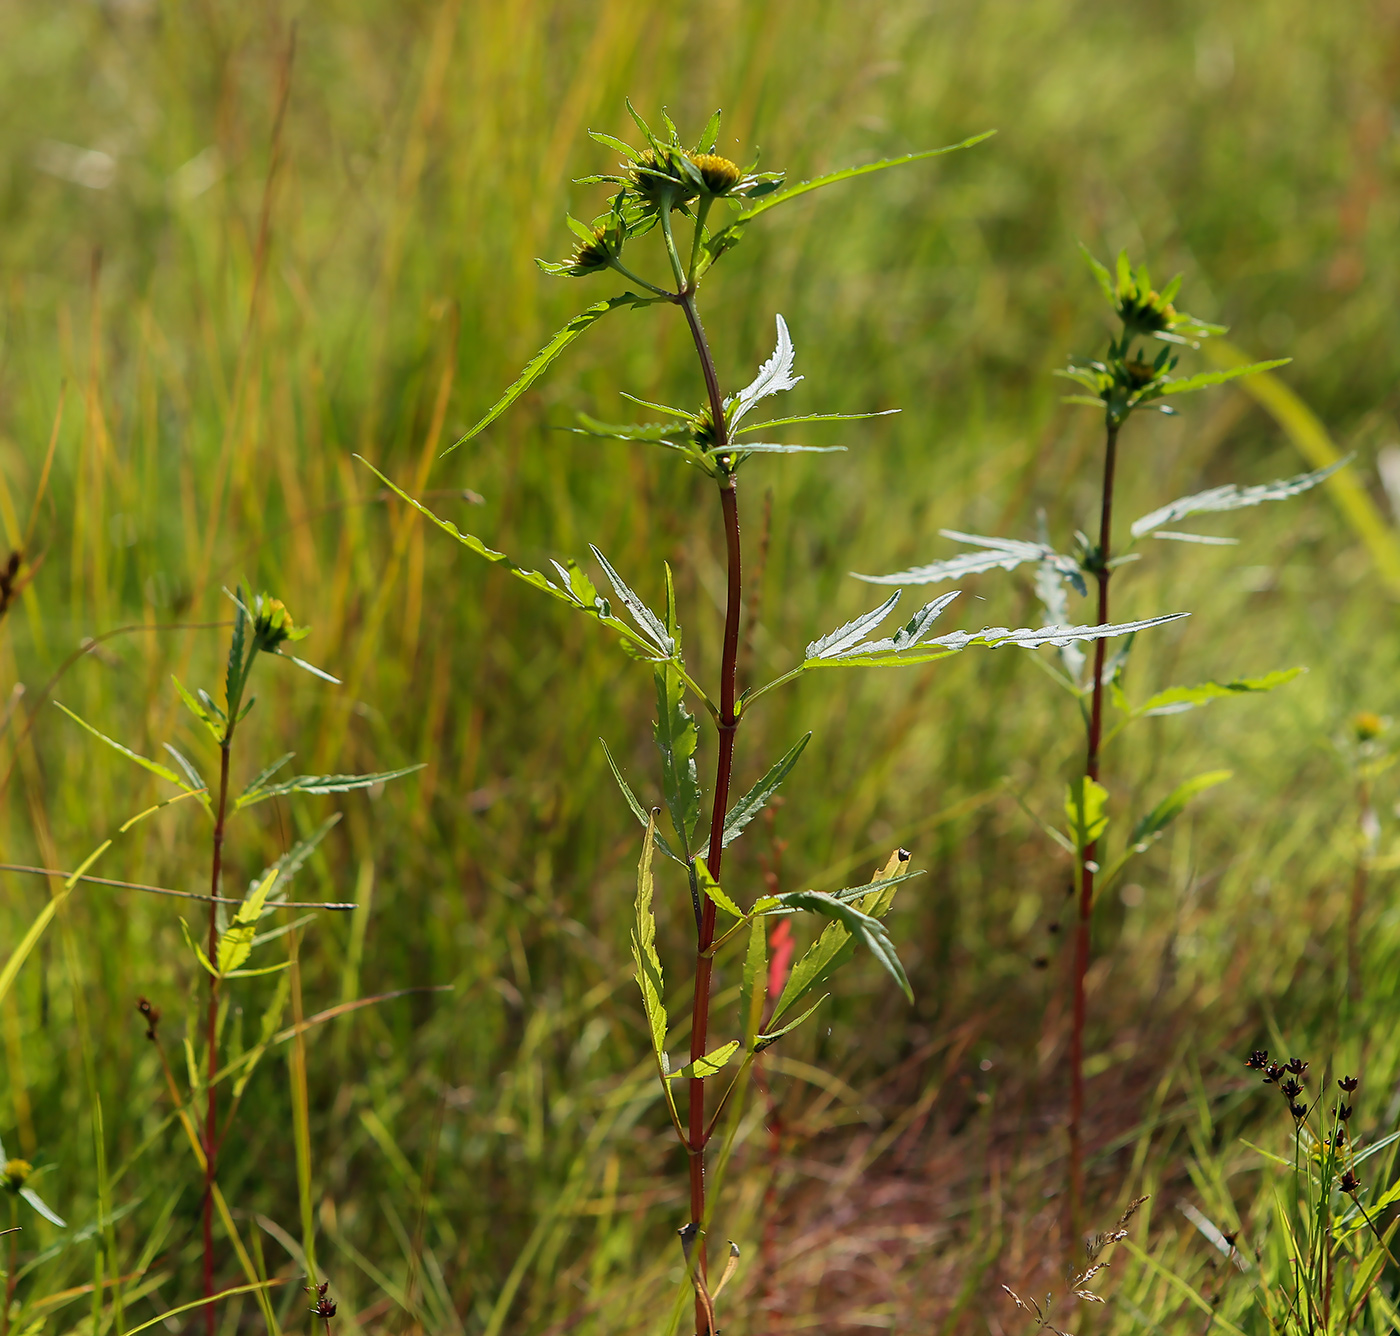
1087 863
211 1115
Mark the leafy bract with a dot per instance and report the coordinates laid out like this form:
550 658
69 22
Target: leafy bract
756 799
1086 801
575 588
539 363
1233 497
1177 700
728 237
997 553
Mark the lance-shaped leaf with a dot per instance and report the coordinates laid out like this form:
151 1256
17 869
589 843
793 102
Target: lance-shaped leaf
728 237
292 862
881 883
836 944
771 1037
208 714
539 363
997 554
753 985
774 376
845 648
1177 700
711 1064
714 891
1151 827
647 621
865 928
812 417
37 1202
1233 497
321 784
640 812
155 767
852 633
575 589
185 764
236 944
756 799
1086 802
648 963
677 739
1205 379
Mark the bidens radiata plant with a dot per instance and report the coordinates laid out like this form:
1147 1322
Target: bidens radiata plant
668 190
1130 377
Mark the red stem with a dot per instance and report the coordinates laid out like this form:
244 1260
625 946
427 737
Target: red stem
1087 861
211 1118
724 768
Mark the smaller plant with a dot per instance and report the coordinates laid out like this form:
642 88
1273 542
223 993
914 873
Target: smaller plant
15 1176
1322 1266
1078 1281
262 626
1129 377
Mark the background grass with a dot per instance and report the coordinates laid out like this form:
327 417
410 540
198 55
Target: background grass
229 307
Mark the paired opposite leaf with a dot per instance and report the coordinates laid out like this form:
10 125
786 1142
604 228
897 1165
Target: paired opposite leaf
756 799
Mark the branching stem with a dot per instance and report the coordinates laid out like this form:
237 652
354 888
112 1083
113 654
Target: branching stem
1088 858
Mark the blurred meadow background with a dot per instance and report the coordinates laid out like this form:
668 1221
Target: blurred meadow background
225 266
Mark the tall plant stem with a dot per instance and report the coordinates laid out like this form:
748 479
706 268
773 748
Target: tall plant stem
724 767
1087 860
211 1117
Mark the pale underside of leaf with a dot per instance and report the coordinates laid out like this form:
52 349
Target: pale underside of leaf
1233 497
774 376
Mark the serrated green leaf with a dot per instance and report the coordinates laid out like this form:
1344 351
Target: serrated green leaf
647 621
540 362
730 236
210 721
756 799
1086 801
813 417
1200 381
155 767
714 890
236 944
753 986
996 554
321 784
197 949
1101 274
711 1064
837 942
648 965
640 812
772 1036
1176 700
572 576
1233 497
1150 828
291 862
